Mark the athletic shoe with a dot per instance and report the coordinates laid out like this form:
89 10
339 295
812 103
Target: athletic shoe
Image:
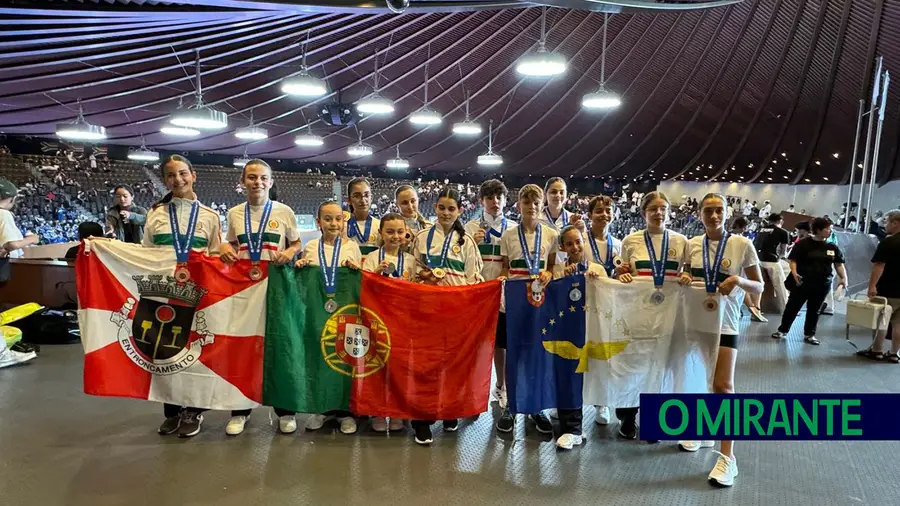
287 424
236 425
396 425
602 415
423 434
506 423
826 310
811 340
10 358
348 425
692 446
500 395
315 422
170 425
451 425
23 347
190 424
628 429
379 424
569 441
553 413
757 316
778 335
725 471
542 423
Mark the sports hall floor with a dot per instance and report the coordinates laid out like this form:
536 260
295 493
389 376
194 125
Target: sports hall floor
61 447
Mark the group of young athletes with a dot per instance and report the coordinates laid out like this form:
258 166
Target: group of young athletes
548 244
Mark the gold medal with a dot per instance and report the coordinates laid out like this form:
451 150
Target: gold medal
711 304
438 273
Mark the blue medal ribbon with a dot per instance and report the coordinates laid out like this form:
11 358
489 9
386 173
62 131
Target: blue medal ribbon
329 272
255 241
608 264
489 230
532 260
444 249
710 272
353 230
398 270
183 242
564 215
657 265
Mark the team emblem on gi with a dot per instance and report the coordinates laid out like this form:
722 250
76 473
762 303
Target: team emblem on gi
158 338
356 342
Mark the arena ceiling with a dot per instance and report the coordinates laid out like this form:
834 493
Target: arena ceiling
751 91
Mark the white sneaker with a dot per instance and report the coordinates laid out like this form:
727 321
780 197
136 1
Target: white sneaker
500 395
569 441
236 425
348 425
287 424
725 471
692 446
315 422
602 415
379 424
553 413
396 425
10 357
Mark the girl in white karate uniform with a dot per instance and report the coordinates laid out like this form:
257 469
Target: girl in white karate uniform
361 226
407 200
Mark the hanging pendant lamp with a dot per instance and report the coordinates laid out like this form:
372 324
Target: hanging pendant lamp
375 104
490 159
303 84
398 162
359 149
602 98
542 63
251 132
142 154
80 129
199 116
242 160
426 116
467 127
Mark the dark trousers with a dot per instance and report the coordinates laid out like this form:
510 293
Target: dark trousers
624 414
570 421
171 410
813 295
246 412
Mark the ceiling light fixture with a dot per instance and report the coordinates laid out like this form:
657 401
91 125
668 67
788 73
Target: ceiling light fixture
251 132
818 162
375 103
426 116
199 116
242 160
397 163
467 126
80 129
303 84
359 149
490 159
542 63
602 98
178 131
836 155
142 154
309 139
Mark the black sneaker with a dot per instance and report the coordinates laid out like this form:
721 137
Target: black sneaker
542 423
451 425
628 429
23 347
423 434
170 426
190 424
506 421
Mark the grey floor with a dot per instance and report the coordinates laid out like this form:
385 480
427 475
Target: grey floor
59 446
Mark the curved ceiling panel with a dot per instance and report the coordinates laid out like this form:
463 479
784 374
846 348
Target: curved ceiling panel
752 91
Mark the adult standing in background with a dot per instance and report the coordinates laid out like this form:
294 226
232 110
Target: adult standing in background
11 240
766 210
884 281
771 243
124 219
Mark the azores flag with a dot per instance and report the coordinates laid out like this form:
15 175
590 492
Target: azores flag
546 355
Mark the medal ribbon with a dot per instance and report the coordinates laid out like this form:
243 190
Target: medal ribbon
353 230
181 242
564 215
490 230
658 265
255 241
710 271
398 270
330 272
608 264
444 249
532 260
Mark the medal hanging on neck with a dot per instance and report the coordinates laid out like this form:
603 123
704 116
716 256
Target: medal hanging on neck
394 271
657 265
438 270
532 259
609 264
255 241
182 243
489 230
353 230
563 215
711 272
329 273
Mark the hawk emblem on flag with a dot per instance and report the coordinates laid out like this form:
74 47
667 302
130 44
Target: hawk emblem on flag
595 350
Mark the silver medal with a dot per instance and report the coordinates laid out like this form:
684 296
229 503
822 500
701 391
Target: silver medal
658 297
331 305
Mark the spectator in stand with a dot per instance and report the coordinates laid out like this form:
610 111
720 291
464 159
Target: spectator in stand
884 281
125 220
11 239
86 230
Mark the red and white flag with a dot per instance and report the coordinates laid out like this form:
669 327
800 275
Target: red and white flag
147 336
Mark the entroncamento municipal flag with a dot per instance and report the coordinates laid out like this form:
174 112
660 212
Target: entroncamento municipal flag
146 336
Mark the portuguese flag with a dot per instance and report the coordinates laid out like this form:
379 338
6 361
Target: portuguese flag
392 348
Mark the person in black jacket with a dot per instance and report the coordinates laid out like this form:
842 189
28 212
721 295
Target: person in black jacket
811 260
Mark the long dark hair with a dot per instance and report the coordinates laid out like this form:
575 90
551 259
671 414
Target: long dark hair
450 193
162 169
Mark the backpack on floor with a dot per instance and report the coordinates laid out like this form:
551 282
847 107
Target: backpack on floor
49 326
